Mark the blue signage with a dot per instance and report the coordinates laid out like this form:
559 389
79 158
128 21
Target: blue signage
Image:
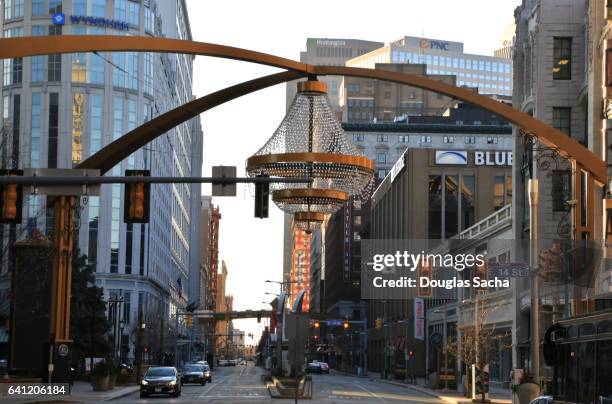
59 19
98 22
334 323
453 157
438 45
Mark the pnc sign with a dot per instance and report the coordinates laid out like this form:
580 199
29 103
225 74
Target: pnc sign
432 44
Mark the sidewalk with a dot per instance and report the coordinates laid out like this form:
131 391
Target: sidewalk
451 397
81 391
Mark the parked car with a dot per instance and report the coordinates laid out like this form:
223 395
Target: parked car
161 380
193 374
313 367
203 363
223 362
324 367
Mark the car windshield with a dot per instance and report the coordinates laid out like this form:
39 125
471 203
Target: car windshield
159 372
192 368
206 368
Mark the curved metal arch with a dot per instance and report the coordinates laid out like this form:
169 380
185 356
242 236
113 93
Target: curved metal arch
112 154
45 45
31 46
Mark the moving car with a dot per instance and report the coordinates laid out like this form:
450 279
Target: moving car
313 367
161 380
207 374
324 367
193 374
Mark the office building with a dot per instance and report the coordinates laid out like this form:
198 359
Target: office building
491 75
58 110
431 194
367 100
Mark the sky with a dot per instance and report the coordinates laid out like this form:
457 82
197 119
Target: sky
253 248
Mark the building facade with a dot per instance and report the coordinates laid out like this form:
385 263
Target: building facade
491 75
60 109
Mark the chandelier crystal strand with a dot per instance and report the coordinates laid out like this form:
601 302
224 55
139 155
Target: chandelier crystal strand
310 142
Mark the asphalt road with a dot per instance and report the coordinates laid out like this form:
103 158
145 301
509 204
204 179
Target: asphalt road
242 384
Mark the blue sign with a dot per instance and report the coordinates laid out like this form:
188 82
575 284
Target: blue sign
334 323
59 19
438 45
99 22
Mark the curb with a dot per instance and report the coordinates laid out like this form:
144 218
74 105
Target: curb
124 394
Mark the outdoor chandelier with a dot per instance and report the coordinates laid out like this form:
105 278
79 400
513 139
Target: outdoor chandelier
311 143
308 221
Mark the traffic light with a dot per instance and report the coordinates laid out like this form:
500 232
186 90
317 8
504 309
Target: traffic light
410 354
345 324
11 198
136 198
262 197
378 323
317 324
425 271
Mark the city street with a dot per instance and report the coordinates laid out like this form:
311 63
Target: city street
243 384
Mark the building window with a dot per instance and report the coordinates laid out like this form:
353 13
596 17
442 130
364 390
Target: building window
403 138
381 158
425 139
149 18
498 192
382 138
562 58
492 139
448 139
357 220
468 190
79 7
35 131
148 73
356 204
562 192
562 119
435 207
39 7
120 10
13 9
95 73
55 6
381 174
77 128
358 138
129 232
96 123
470 140
133 13
98 8
94 219
53 130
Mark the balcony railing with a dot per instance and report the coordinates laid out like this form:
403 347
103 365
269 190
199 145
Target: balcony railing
503 215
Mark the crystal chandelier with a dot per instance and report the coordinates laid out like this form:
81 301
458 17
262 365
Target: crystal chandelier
308 221
311 143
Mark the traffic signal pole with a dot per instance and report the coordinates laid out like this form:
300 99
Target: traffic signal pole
61 287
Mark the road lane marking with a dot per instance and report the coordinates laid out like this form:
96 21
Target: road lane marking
370 392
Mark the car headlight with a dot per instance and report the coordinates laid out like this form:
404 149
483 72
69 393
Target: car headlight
144 382
207 374
172 383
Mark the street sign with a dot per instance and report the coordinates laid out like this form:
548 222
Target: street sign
508 269
76 190
334 323
224 189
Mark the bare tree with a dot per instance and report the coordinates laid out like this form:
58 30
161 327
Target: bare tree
476 338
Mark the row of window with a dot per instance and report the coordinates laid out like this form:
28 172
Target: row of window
470 75
124 10
456 63
426 139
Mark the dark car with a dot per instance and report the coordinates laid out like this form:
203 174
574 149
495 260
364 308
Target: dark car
193 374
313 367
161 380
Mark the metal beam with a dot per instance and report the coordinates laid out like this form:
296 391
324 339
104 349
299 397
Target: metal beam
69 180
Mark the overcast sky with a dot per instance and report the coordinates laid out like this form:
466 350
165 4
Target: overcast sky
252 248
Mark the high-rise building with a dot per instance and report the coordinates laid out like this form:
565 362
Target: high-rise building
58 110
491 75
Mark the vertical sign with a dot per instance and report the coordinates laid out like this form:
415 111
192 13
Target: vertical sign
419 314
347 242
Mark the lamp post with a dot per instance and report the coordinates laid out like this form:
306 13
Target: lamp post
535 284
